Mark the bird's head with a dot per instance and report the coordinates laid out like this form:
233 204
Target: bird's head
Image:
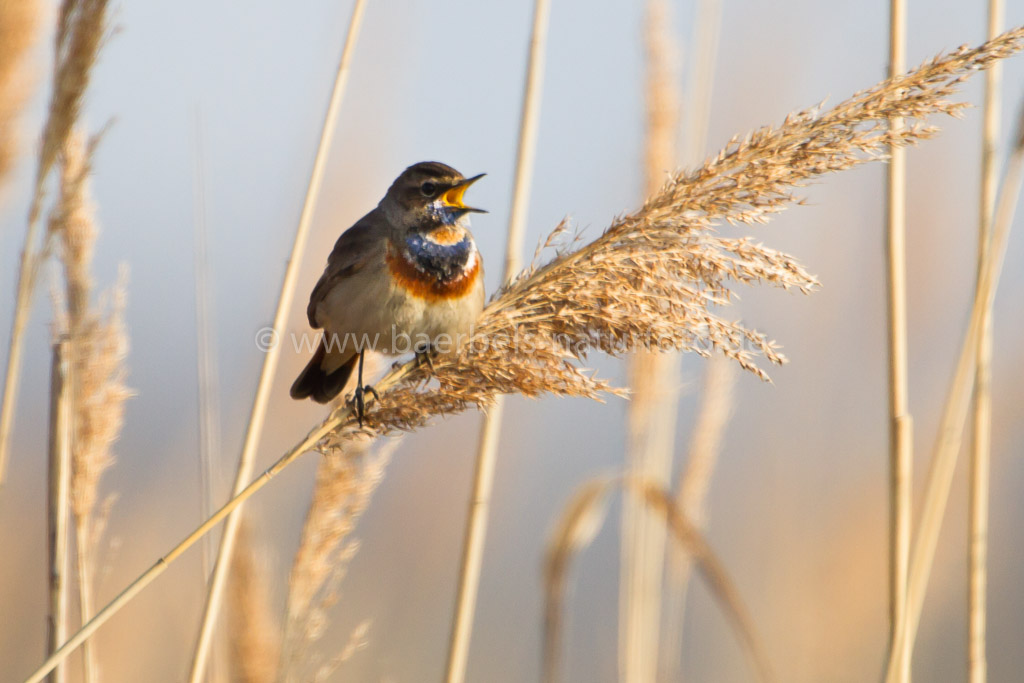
428 195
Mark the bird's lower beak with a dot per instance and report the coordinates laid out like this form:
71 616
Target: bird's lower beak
453 196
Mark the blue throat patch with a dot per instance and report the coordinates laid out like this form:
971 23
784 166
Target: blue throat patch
446 262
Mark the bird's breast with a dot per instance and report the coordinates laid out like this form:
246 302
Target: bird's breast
434 269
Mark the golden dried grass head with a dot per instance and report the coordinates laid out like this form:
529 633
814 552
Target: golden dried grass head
18 21
81 27
98 342
254 634
73 223
101 348
655 277
345 481
580 522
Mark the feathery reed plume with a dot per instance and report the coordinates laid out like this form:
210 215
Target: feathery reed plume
18 20
647 280
580 522
954 412
654 379
253 630
487 446
345 481
98 345
257 416
981 442
80 28
901 442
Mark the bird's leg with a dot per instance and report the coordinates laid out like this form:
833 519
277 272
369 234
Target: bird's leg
425 354
361 391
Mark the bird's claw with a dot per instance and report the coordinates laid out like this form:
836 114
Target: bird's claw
425 355
359 399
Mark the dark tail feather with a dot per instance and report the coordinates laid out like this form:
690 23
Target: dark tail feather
317 383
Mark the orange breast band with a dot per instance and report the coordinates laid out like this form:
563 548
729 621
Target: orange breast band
423 285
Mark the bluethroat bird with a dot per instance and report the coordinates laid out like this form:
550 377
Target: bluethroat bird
404 277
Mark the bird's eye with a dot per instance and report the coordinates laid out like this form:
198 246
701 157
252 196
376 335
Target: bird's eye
428 189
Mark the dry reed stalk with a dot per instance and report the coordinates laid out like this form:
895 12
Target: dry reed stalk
648 278
18 19
579 524
691 495
80 29
254 634
490 431
716 401
901 442
981 443
954 414
285 301
654 381
346 478
97 346
208 388
58 484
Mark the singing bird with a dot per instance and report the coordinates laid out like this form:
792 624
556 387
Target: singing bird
408 270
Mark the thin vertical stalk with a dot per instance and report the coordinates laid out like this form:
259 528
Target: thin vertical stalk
206 366
981 444
58 499
954 414
719 377
691 495
487 448
654 379
270 361
900 424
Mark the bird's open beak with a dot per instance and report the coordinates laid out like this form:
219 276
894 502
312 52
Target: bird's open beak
453 196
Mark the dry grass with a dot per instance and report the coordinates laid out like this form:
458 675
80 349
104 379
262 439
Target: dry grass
650 279
713 414
981 442
80 30
653 278
954 412
285 303
901 440
18 19
487 446
654 379
253 630
345 482
58 475
97 345
580 522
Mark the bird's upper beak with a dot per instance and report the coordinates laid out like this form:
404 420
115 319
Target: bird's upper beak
453 195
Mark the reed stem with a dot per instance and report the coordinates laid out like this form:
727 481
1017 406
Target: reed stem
490 431
284 306
900 422
59 508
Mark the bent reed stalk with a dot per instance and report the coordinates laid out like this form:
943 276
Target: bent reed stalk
649 279
583 517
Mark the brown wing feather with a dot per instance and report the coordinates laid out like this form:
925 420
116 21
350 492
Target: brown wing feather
351 252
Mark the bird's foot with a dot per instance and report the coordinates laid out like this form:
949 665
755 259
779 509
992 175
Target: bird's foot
425 355
359 399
